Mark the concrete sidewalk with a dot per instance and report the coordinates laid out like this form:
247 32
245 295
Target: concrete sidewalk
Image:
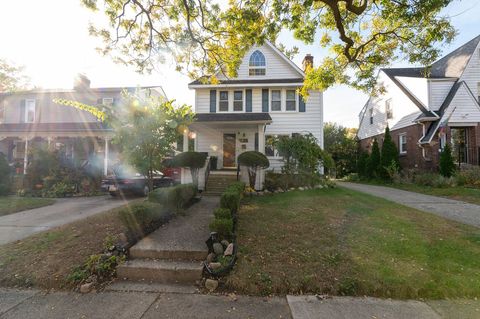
66 210
451 209
25 304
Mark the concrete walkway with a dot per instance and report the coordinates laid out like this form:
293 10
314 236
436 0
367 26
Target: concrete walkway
25 304
66 210
452 209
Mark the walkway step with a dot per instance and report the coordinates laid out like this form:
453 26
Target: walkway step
160 271
137 252
146 286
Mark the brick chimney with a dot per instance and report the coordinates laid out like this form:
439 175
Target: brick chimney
307 62
81 82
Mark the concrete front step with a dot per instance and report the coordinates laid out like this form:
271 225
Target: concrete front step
161 271
137 252
146 286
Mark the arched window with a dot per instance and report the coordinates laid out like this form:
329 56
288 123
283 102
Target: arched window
257 64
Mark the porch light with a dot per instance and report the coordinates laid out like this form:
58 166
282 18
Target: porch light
193 135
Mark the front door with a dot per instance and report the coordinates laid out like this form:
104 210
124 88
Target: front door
229 150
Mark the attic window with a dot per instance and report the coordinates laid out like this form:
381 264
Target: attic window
388 109
257 64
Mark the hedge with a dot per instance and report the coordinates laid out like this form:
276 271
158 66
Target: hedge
222 213
223 227
176 197
143 218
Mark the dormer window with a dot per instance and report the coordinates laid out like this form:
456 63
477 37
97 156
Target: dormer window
257 64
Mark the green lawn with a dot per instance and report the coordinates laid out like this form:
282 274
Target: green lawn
14 204
341 242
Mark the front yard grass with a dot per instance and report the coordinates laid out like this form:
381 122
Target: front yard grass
342 242
14 204
45 260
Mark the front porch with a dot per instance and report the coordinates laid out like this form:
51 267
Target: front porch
226 136
80 145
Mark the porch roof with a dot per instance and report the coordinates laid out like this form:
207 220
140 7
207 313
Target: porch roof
54 127
234 117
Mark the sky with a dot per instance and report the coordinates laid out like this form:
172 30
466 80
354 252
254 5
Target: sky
50 38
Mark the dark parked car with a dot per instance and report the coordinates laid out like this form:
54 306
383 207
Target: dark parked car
127 181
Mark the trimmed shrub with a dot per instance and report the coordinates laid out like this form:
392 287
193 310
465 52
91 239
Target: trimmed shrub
5 178
373 163
176 197
223 226
238 187
362 165
193 161
230 200
469 177
433 180
142 218
447 165
221 213
253 160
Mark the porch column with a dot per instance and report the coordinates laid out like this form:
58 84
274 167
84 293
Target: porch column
105 160
25 157
261 149
185 140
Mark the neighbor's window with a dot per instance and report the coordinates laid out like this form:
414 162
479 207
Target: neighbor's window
257 64
276 100
371 116
107 101
402 142
270 145
192 136
443 140
29 111
291 100
388 109
223 101
238 100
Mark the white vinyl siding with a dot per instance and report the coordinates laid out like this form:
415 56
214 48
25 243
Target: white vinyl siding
438 91
471 75
463 108
277 67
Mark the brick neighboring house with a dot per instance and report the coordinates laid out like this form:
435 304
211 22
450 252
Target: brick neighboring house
426 112
31 118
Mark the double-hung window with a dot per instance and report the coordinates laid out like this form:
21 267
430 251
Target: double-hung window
238 100
402 143
291 102
223 101
276 100
388 109
29 111
108 101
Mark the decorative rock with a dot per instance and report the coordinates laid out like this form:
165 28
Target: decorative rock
214 266
318 186
229 250
210 257
217 248
122 239
301 188
224 243
86 288
211 284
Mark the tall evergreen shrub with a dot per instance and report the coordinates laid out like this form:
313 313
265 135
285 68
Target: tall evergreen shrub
389 155
374 161
5 177
362 165
447 165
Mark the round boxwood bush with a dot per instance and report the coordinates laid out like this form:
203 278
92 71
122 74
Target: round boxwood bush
191 160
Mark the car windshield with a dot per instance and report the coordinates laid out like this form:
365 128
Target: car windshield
125 171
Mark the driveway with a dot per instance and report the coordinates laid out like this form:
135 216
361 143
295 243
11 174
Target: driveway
448 208
66 210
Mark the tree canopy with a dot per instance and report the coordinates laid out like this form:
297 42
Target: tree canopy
12 77
205 37
341 143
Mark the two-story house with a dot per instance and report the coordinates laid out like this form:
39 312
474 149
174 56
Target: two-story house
425 108
32 118
246 113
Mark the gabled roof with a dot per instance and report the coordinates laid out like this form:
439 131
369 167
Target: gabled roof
450 66
54 127
299 79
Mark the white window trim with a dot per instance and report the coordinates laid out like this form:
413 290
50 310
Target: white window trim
400 144
389 103
257 67
26 110
107 101
283 100
243 101
230 101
